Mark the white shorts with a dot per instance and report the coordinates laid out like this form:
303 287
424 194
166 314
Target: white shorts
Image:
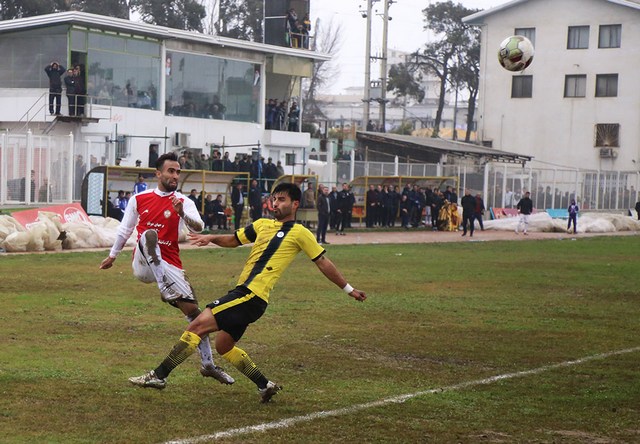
172 274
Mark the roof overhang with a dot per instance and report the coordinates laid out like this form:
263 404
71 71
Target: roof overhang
478 17
145 29
441 147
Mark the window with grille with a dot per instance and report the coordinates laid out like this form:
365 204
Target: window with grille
607 135
578 37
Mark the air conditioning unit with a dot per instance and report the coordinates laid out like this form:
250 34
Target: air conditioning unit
182 140
608 153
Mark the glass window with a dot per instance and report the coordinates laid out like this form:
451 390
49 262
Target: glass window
575 85
25 54
125 79
211 88
529 33
610 36
578 37
522 87
107 42
607 85
78 40
143 47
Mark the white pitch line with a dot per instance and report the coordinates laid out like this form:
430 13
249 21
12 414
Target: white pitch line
288 422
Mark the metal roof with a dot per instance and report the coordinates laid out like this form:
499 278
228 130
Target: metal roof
145 29
478 17
442 146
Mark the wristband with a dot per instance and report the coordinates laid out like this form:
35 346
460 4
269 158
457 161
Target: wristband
347 288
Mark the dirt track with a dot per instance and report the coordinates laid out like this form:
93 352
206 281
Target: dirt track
411 236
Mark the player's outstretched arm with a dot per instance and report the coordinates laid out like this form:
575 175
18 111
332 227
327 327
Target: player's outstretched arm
107 262
222 240
333 274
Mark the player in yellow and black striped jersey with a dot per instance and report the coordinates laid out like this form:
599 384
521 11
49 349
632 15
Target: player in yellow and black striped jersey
275 245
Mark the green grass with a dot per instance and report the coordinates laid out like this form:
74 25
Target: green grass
437 315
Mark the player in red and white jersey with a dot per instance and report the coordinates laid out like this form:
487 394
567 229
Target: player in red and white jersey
158 215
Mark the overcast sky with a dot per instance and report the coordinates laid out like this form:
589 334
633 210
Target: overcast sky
405 32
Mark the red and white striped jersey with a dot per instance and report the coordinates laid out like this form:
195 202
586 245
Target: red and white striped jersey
152 209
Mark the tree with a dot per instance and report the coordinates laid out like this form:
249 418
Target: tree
441 57
179 14
405 82
327 40
467 74
111 8
13 9
241 19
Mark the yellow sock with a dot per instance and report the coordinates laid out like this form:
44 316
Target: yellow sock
180 352
240 360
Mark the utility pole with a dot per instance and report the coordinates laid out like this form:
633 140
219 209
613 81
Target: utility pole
383 67
367 66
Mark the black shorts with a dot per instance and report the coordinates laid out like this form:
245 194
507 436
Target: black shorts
236 310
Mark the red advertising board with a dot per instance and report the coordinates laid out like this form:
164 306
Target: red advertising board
72 212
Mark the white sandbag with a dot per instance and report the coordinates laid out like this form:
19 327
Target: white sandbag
9 225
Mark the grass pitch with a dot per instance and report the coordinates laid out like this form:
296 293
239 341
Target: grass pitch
437 315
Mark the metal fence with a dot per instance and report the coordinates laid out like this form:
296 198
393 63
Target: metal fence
46 169
36 169
502 185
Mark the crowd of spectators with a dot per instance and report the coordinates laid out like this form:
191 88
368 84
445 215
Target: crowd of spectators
277 117
297 32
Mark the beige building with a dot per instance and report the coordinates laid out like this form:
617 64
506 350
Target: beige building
578 104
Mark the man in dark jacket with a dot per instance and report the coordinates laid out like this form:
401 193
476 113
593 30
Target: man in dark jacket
468 209
70 84
54 72
372 203
323 206
237 203
345 207
255 201
525 208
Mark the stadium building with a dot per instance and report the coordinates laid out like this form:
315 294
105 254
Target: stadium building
148 88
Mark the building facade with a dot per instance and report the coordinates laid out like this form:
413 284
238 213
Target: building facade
145 88
576 106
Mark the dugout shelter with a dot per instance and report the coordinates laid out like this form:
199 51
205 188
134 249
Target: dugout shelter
102 184
304 215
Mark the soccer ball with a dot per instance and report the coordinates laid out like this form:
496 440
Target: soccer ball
515 53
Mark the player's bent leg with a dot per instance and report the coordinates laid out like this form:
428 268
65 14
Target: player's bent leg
208 369
180 352
247 367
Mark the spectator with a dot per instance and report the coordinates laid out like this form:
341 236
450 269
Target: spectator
308 197
193 195
345 203
237 202
292 28
70 84
371 201
294 116
306 30
138 163
220 212
280 169
153 155
324 210
525 208
80 90
405 209
573 216
255 201
140 185
54 72
468 210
